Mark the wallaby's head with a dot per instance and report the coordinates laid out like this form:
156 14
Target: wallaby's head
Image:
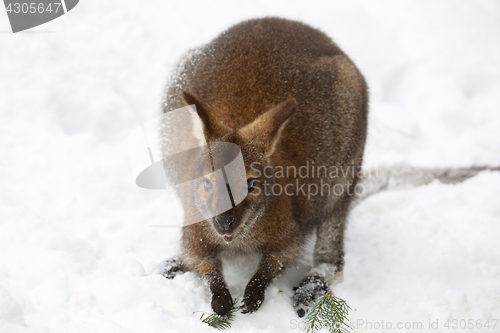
257 141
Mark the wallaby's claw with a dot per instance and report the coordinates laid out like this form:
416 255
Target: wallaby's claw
222 302
309 290
171 268
253 297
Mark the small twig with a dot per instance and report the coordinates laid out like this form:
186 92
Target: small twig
323 301
329 311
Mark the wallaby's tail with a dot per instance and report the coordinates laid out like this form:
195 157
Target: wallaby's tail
401 177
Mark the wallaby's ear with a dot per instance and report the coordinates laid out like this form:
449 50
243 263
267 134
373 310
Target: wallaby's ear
202 110
266 128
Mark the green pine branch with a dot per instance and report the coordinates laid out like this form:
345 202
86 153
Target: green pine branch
221 322
329 311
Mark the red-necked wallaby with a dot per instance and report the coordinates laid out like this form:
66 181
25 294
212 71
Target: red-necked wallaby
292 100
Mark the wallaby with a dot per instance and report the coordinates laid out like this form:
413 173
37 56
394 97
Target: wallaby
290 98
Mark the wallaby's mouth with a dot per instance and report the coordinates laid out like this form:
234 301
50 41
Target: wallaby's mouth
228 238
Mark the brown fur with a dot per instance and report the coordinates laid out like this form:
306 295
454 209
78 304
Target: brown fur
288 96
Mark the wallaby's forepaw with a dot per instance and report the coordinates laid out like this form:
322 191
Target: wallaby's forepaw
253 297
309 290
171 267
222 301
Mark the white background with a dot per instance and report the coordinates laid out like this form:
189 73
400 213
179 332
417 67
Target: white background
76 252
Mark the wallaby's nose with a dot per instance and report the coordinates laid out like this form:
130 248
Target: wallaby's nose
224 222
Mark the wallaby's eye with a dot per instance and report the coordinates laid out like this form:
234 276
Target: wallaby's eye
207 184
250 184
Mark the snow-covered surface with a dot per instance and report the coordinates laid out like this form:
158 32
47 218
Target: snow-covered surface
76 252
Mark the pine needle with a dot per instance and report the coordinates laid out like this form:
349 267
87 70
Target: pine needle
221 322
329 311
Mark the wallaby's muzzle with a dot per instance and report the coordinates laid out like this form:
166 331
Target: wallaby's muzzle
224 222
225 225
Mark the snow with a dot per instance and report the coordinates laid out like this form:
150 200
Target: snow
77 253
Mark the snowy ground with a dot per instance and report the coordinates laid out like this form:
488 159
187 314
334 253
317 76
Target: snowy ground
76 252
